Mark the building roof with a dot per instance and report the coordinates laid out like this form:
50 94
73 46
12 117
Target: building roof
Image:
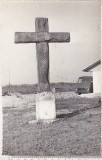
95 64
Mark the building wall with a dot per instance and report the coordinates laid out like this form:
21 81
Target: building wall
96 81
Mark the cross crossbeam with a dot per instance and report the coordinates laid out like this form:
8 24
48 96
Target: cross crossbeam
31 37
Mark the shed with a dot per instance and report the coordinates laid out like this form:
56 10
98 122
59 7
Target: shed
95 68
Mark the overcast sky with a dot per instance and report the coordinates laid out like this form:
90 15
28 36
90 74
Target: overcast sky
67 60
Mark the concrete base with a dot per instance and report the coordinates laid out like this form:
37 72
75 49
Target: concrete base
45 106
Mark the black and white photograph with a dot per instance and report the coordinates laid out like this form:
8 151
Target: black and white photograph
51 78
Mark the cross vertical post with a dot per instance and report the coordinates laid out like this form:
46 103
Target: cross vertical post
42 48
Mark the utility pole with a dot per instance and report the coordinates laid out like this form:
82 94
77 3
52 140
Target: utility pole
9 77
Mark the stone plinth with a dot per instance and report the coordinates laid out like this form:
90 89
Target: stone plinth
45 106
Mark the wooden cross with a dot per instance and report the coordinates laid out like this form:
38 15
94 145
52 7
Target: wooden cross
42 37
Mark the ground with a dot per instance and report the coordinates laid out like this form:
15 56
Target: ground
76 130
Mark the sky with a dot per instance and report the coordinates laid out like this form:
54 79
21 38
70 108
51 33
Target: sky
67 60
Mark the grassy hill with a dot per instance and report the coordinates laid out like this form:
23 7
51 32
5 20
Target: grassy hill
29 89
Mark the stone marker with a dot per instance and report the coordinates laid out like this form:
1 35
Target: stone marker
45 99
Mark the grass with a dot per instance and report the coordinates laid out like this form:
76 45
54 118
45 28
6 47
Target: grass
29 89
76 131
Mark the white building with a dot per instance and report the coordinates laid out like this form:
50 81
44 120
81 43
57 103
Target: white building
96 69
